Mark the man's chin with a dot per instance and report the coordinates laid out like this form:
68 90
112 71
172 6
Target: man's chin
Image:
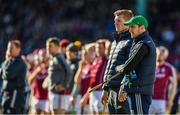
159 61
117 30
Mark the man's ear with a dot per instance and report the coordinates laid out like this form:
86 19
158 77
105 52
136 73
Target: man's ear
142 28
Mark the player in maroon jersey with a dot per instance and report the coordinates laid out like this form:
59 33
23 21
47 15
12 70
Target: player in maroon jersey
39 102
165 73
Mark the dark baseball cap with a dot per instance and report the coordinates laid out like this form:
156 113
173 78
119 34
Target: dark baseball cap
73 48
137 20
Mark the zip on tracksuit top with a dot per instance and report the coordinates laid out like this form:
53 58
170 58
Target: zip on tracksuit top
118 55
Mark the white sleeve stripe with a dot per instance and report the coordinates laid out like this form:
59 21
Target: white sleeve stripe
132 57
13 99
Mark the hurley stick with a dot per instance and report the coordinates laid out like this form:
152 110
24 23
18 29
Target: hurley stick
99 85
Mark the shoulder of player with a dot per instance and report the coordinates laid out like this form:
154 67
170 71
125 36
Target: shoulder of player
169 66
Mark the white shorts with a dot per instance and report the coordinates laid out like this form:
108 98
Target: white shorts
77 105
56 101
39 104
157 107
95 104
86 109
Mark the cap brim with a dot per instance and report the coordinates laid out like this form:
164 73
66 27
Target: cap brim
128 23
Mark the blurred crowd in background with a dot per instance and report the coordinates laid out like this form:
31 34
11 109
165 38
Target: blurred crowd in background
32 22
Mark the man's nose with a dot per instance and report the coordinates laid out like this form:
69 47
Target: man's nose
130 29
115 22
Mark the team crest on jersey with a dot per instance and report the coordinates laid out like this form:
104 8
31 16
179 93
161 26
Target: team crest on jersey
160 73
163 70
72 67
85 72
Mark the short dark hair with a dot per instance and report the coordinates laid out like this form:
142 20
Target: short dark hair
17 43
53 40
128 14
72 48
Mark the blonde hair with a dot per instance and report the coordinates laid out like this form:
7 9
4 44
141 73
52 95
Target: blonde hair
102 41
90 47
128 14
163 50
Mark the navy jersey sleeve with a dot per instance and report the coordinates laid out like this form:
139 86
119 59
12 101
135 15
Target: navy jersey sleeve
137 54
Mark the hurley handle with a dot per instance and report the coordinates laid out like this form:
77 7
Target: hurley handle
95 87
99 85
